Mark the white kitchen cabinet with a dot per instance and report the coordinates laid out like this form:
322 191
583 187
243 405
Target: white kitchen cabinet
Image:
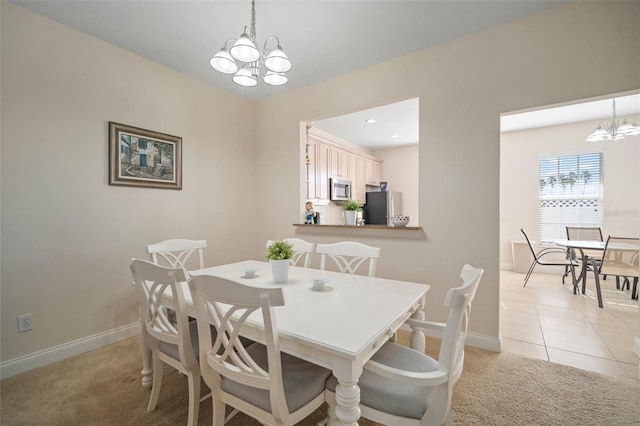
318 170
310 175
322 171
373 171
338 162
357 177
328 159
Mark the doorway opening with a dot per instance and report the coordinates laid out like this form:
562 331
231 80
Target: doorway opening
545 319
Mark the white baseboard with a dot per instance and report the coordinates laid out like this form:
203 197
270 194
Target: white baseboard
493 344
506 266
57 353
480 341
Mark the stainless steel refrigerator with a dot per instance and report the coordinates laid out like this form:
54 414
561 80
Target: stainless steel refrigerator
380 206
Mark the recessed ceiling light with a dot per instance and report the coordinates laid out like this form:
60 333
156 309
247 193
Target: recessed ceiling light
395 136
369 121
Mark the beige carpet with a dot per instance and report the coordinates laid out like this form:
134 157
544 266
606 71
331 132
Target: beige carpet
102 387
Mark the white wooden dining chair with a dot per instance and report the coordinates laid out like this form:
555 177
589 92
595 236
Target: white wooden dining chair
272 387
172 342
349 256
177 253
401 386
302 251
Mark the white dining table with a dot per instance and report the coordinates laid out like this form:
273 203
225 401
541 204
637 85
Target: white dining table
339 328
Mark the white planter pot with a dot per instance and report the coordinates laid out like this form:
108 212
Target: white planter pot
350 217
280 270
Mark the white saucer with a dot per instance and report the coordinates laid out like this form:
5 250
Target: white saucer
325 289
248 278
247 270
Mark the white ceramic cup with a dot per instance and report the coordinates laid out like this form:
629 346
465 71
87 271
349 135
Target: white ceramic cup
249 273
318 285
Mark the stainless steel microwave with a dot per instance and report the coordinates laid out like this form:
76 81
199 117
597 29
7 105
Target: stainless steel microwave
340 189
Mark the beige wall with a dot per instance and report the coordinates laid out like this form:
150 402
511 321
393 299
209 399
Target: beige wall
519 179
67 236
544 59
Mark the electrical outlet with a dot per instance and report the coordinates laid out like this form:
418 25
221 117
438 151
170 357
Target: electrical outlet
25 322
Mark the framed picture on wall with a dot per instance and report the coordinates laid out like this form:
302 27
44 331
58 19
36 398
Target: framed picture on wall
139 157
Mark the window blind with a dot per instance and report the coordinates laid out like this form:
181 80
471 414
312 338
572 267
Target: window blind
571 193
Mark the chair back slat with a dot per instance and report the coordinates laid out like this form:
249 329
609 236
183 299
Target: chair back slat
526 237
176 253
620 257
588 233
349 256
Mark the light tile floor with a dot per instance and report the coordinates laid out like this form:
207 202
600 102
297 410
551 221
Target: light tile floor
545 320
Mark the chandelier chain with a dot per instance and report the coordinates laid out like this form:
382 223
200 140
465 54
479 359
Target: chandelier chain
614 112
253 21
245 58
614 130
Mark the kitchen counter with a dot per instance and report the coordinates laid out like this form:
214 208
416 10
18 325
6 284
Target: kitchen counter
364 227
405 233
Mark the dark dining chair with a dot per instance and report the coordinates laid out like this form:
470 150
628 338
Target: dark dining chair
545 257
589 233
620 259
586 233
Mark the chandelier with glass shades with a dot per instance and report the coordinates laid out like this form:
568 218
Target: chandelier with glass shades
614 131
244 59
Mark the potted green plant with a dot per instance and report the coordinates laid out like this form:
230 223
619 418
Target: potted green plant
351 208
280 253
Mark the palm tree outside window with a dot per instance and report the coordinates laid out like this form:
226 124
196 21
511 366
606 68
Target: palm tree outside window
571 193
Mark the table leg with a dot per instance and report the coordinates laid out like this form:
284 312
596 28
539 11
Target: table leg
596 274
581 276
585 267
147 368
417 340
347 403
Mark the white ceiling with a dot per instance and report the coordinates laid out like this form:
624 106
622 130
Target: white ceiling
601 109
400 118
323 39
